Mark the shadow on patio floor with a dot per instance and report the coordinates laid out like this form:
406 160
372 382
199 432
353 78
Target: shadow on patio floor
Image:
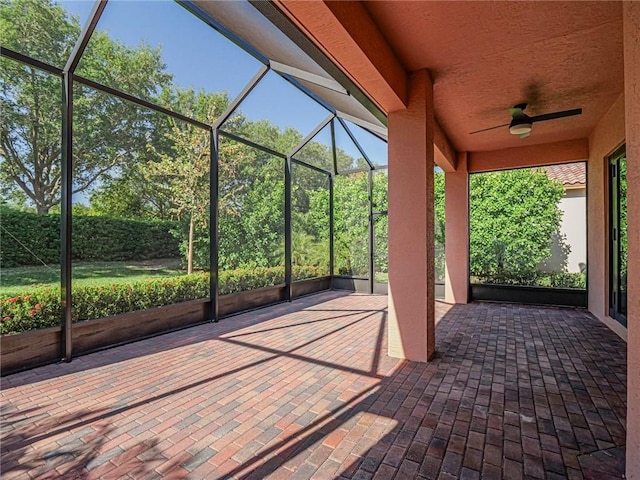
305 392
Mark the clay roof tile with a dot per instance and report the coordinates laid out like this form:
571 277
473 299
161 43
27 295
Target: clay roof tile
569 174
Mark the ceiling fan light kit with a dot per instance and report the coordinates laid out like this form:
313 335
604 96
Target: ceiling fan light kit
519 127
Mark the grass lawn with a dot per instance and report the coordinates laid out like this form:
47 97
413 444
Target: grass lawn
16 280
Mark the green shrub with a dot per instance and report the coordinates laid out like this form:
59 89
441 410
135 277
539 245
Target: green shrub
103 301
37 308
244 279
302 272
568 280
32 239
115 239
41 307
536 278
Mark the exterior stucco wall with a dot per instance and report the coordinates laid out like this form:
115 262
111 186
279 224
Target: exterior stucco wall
605 138
631 13
574 226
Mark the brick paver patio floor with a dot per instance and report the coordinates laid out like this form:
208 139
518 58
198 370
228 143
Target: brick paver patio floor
305 390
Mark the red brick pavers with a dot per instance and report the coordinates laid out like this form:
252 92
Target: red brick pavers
305 390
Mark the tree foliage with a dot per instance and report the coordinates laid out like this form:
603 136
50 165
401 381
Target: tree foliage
183 171
513 217
108 132
251 226
622 212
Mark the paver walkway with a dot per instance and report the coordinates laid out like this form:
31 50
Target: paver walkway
305 390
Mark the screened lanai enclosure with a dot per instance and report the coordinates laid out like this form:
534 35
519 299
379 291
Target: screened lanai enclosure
174 164
163 167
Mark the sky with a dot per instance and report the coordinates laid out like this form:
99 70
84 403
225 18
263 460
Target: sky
197 56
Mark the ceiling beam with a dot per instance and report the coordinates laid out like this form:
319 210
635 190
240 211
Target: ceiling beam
346 34
529 156
445 154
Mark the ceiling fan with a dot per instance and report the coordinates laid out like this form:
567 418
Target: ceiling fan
521 123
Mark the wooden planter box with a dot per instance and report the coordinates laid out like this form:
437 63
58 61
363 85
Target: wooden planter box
241 301
312 285
30 349
93 335
40 347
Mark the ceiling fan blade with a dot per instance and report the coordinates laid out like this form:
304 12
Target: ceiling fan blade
490 128
525 135
552 116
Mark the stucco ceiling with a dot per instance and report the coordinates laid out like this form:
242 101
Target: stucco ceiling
487 56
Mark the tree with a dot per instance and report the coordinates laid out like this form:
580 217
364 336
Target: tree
252 212
132 195
184 169
513 216
108 132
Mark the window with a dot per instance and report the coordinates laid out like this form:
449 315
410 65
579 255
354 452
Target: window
618 236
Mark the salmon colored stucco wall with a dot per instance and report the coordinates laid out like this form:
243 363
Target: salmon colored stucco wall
603 141
456 186
631 25
529 156
411 330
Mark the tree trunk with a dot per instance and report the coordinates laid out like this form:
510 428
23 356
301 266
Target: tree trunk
42 210
190 250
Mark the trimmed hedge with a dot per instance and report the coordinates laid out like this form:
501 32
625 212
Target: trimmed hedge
536 279
41 307
38 233
94 239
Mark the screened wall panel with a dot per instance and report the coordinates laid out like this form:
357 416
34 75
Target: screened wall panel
374 147
30 186
140 230
349 157
381 225
310 223
275 115
251 218
318 152
351 224
140 204
439 223
528 227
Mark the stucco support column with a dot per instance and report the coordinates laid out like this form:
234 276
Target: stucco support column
411 225
456 237
631 12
